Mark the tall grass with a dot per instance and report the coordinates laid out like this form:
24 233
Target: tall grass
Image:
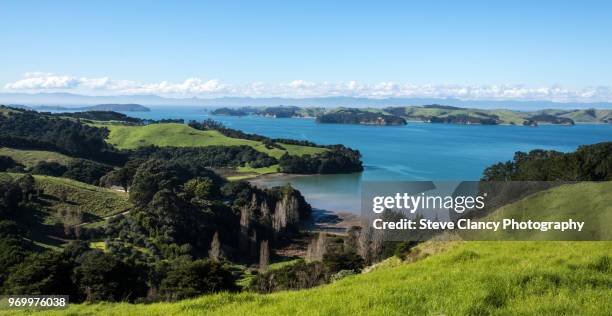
470 278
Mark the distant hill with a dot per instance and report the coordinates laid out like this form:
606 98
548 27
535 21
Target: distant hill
431 113
69 99
98 107
358 116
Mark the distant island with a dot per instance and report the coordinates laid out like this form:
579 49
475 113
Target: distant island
356 116
432 113
98 107
271 111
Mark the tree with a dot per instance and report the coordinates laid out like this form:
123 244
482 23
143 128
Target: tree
317 247
101 277
348 260
215 248
123 176
200 189
264 256
7 163
86 171
192 278
41 274
49 168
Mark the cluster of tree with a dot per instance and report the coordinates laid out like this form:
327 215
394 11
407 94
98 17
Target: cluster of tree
338 159
465 119
357 116
162 121
327 257
180 207
32 130
82 170
105 116
99 116
233 133
279 111
540 170
209 156
587 163
229 112
92 275
273 111
551 119
9 164
186 221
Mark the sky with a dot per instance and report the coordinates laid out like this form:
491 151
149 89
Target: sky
555 50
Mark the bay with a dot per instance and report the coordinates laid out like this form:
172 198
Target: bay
417 151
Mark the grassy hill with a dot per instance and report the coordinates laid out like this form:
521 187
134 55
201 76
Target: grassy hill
97 201
585 116
58 195
450 278
589 202
501 116
181 135
471 278
30 158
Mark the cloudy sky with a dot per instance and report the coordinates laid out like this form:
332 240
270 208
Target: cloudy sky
532 50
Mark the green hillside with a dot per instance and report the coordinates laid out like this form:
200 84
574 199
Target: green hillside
589 116
61 195
450 278
589 202
501 115
97 201
472 278
30 158
181 135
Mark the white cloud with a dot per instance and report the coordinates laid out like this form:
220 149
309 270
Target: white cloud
40 81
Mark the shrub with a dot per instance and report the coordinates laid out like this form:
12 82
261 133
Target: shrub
101 277
49 169
300 275
41 274
335 262
7 163
192 278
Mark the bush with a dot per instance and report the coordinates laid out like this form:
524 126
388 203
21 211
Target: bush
41 274
335 262
86 171
7 163
101 277
49 169
192 278
300 275
403 248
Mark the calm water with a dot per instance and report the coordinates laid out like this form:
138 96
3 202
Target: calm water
417 151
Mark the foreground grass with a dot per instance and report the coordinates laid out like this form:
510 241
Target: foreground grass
471 278
181 135
588 202
30 158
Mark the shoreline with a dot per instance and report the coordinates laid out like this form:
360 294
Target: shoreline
322 220
328 221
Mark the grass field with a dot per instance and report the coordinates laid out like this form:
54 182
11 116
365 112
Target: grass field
30 158
181 135
249 172
72 194
446 278
471 278
95 204
590 202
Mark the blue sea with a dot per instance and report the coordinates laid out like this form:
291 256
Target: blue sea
417 151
